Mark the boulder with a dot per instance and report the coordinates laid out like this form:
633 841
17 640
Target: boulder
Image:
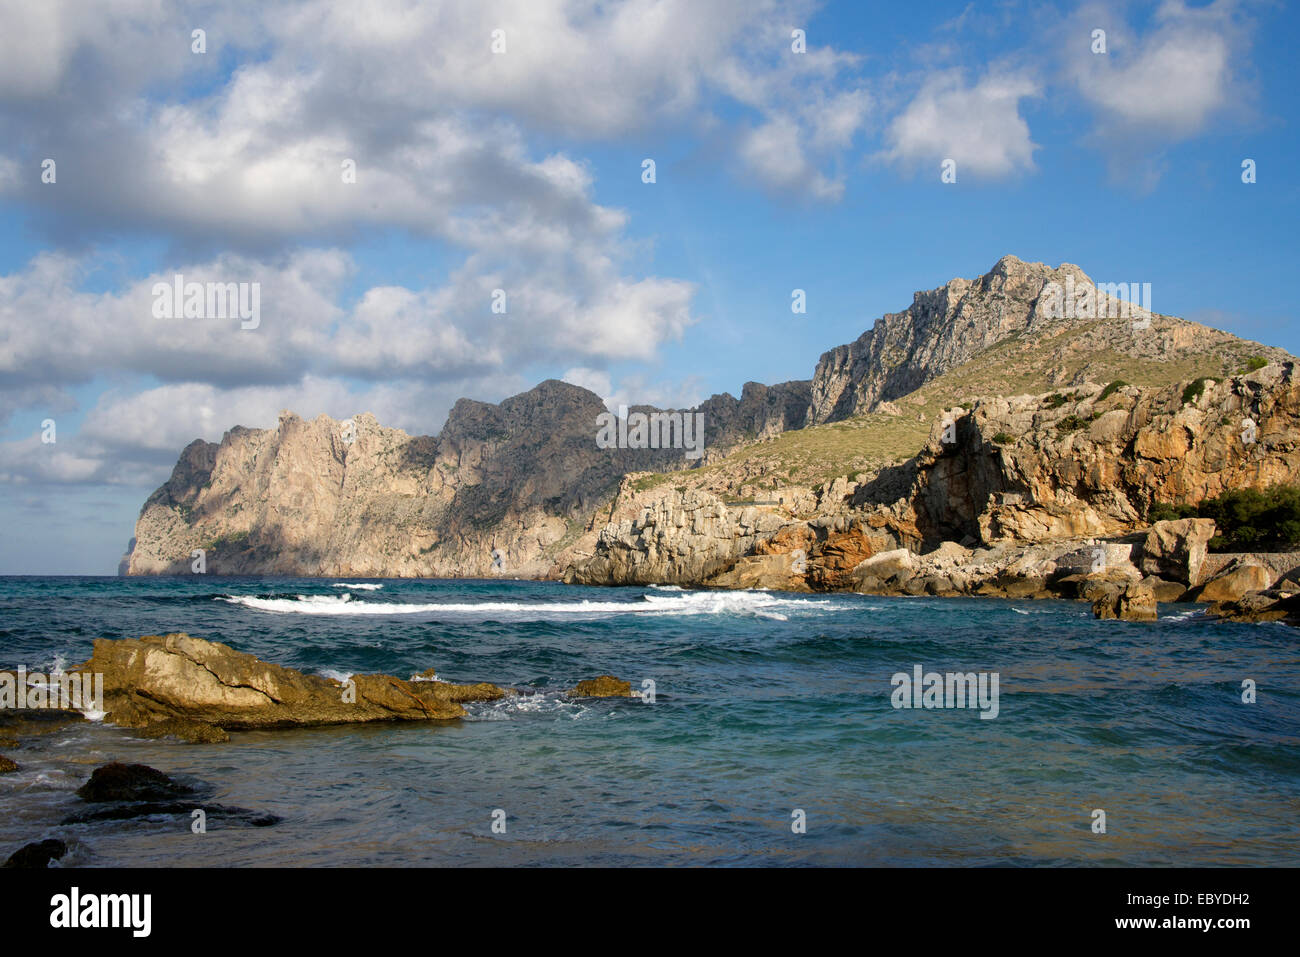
195 682
1235 583
1135 601
1176 550
130 782
37 855
605 686
897 564
782 572
885 573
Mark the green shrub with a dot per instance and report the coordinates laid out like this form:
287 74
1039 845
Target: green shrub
1002 438
1071 423
1111 389
1163 512
1253 363
1247 520
1194 390
1055 400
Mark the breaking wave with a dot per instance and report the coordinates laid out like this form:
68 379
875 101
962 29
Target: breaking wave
737 603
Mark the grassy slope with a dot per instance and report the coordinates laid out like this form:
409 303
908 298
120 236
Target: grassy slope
862 444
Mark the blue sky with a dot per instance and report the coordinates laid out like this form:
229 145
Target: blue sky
522 170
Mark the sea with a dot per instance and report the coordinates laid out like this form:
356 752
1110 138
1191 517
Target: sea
770 730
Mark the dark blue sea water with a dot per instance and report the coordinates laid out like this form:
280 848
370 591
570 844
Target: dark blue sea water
765 703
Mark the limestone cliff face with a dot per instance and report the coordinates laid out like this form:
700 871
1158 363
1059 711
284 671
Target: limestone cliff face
1009 471
1036 468
522 489
501 491
948 326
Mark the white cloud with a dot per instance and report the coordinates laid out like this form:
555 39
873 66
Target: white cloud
979 126
1164 85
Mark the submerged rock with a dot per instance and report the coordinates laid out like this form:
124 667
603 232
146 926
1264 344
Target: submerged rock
130 782
195 732
125 812
188 680
16 721
605 686
7 765
37 855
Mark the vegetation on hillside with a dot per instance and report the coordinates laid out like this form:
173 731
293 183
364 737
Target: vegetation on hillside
1247 520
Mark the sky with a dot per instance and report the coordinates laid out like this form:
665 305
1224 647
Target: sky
445 200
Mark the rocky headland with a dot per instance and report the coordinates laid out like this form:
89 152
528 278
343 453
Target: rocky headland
974 443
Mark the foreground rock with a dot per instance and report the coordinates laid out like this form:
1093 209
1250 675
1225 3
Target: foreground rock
129 791
129 782
179 679
605 686
37 855
7 765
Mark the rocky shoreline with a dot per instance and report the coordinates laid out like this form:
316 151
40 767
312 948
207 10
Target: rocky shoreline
197 691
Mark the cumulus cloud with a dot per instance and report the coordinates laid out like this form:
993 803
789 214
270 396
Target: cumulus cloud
1165 84
979 126
57 336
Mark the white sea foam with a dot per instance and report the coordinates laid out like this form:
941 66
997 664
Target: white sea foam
340 676
503 709
358 586
737 603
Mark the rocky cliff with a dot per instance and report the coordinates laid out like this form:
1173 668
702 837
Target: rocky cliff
1059 469
524 489
949 326
501 491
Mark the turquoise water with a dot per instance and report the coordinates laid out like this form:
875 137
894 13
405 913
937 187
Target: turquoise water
764 703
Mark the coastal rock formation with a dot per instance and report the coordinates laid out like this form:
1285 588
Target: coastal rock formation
1075 473
950 325
195 732
604 686
7 765
1236 583
500 491
174 677
1135 601
1256 607
137 790
522 489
